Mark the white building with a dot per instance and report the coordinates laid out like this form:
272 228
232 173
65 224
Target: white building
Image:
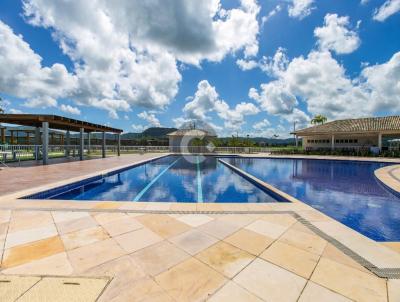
350 133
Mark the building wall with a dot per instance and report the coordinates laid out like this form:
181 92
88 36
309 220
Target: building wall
341 141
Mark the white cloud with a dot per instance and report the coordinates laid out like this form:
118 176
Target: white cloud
206 100
274 97
335 35
321 83
138 128
22 73
203 101
150 118
389 8
262 125
111 105
124 52
246 65
70 109
300 9
383 83
41 101
15 111
180 121
272 13
276 64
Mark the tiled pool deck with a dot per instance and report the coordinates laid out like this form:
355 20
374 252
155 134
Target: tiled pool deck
180 252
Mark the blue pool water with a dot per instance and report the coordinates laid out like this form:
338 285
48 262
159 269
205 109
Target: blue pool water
168 179
346 191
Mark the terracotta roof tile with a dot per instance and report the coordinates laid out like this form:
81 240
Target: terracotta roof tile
370 124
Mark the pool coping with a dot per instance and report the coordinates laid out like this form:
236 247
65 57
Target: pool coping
261 183
324 157
388 178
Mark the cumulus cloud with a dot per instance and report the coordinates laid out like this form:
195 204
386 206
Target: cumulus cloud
382 81
321 83
274 97
206 100
246 64
70 109
275 64
138 128
389 8
124 53
22 73
15 111
300 9
150 118
262 125
335 35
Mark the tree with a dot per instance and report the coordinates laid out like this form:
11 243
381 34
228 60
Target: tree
319 119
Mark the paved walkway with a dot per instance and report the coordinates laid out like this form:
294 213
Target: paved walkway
177 251
185 257
15 179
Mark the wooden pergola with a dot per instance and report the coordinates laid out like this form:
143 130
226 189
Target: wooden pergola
45 122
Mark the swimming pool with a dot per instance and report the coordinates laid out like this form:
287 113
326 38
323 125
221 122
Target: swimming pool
167 179
344 190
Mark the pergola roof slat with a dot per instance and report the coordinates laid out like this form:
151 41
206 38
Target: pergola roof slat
55 122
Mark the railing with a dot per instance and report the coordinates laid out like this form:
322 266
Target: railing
9 153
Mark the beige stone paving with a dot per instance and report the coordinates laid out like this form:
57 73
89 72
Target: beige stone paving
187 257
188 262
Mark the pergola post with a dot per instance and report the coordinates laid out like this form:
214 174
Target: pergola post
103 146
297 140
119 144
37 143
81 143
380 141
88 143
3 135
67 143
333 142
45 143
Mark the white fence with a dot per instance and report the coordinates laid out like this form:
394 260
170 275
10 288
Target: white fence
30 152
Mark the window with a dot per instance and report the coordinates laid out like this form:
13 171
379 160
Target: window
356 141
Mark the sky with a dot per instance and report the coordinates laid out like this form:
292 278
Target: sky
241 66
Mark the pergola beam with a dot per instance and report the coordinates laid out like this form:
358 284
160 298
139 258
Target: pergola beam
55 122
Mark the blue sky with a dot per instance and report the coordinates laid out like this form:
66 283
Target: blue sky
247 66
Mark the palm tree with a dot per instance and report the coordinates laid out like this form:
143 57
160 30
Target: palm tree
319 119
